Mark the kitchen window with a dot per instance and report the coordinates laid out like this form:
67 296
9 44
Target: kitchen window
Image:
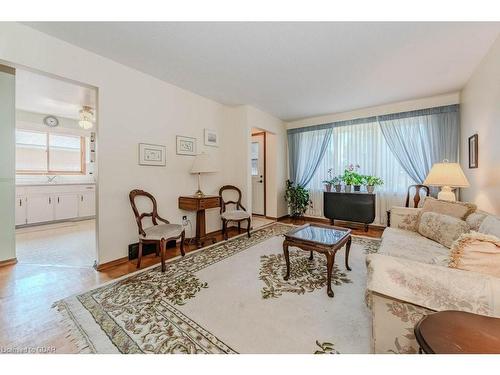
49 153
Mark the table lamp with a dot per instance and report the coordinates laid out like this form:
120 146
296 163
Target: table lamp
202 164
448 176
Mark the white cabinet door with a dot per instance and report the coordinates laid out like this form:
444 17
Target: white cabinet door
66 206
40 208
21 213
86 204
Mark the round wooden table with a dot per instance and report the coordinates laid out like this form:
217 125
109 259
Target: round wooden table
458 332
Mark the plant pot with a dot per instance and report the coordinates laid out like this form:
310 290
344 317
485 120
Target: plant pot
338 188
347 188
370 189
328 187
357 187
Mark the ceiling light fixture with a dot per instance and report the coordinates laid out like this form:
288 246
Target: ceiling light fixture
86 117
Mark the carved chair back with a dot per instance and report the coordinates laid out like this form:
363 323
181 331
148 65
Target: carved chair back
224 203
141 215
416 198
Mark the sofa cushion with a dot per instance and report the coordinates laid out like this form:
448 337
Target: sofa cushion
460 210
476 252
411 245
475 219
490 225
441 228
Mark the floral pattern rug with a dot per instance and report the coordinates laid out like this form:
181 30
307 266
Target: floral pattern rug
229 298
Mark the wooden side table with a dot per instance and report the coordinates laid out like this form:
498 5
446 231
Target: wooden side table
458 332
200 204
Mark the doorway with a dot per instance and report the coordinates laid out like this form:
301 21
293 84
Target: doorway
258 171
55 170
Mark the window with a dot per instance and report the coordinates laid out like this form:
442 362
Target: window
362 144
255 158
49 153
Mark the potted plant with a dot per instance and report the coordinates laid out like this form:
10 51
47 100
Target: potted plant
351 177
297 199
328 183
371 182
336 182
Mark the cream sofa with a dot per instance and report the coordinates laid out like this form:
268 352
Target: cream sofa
409 278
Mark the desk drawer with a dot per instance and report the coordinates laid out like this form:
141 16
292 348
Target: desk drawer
209 203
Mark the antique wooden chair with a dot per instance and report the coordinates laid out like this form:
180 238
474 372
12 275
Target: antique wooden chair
158 234
237 215
416 198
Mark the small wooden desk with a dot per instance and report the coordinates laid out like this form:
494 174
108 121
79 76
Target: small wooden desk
458 332
200 204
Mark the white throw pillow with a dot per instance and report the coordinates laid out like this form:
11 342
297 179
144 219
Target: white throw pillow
490 225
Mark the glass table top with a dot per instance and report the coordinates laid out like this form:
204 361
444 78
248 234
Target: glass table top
323 235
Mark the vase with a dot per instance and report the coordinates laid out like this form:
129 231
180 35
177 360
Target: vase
357 187
347 188
328 187
370 189
338 188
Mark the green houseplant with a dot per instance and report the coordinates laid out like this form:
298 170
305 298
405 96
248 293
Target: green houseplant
352 177
328 182
371 182
297 199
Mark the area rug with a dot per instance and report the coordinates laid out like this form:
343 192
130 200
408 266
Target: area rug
230 298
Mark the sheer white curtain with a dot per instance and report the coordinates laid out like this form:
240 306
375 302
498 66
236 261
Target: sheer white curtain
362 144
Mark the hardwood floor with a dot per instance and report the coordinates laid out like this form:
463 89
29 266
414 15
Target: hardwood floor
27 292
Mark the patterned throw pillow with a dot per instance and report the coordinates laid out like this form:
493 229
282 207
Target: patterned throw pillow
476 252
443 229
475 219
460 210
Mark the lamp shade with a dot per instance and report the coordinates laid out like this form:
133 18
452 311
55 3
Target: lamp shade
446 174
203 163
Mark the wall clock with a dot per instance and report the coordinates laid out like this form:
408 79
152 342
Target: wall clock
51 121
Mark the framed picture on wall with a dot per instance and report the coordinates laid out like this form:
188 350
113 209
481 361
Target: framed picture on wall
152 154
211 138
186 145
473 151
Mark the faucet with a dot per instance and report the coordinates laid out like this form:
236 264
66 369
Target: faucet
51 178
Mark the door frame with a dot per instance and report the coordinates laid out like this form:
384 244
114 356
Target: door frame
263 133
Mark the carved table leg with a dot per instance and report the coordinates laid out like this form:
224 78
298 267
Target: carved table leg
330 261
287 260
347 250
311 256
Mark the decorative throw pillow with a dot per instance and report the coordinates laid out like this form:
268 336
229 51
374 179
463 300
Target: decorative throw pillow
460 210
490 225
476 252
441 228
475 219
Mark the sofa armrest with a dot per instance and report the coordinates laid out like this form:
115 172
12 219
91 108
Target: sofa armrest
404 218
433 287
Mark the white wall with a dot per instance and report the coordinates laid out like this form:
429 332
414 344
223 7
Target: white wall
134 107
480 113
7 166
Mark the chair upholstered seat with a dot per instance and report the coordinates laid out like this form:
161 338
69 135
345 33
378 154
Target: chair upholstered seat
235 215
165 231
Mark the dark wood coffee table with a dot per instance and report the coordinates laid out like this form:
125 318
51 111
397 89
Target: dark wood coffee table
322 239
458 332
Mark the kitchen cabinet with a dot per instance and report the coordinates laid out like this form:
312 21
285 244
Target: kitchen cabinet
37 204
39 208
21 212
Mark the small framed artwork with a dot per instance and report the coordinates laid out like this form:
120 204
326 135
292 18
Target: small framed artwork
211 138
473 151
186 145
152 154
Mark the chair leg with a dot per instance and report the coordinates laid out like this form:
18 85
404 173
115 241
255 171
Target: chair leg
224 229
139 255
182 243
239 227
157 249
163 245
248 227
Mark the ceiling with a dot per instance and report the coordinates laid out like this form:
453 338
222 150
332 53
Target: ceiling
293 70
42 94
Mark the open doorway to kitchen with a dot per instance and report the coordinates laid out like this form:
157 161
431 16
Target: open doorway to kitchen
55 171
